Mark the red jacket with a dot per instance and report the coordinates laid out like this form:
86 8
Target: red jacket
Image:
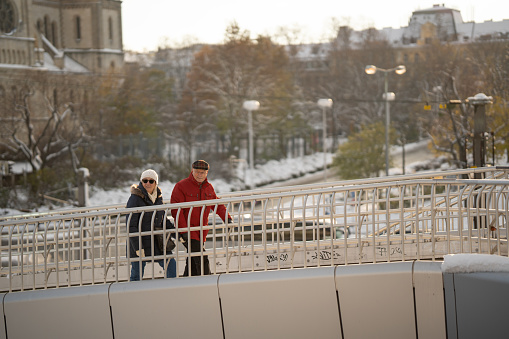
190 190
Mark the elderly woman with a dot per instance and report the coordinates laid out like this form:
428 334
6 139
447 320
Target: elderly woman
146 193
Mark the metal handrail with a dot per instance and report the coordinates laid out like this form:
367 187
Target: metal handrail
495 172
390 220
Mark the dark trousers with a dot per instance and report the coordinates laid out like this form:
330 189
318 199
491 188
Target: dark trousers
196 246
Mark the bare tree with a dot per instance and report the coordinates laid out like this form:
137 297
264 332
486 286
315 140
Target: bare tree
223 76
40 139
447 78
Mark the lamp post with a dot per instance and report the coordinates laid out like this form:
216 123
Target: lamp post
324 104
250 106
388 96
479 101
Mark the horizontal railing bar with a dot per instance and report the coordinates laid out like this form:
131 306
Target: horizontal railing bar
262 191
223 201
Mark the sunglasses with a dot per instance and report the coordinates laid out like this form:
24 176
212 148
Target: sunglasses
150 181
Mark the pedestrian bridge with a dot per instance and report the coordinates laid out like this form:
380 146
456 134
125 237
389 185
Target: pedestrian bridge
347 259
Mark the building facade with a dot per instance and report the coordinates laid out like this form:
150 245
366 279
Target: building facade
53 54
435 24
43 42
87 31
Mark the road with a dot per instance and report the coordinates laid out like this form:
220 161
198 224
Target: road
414 153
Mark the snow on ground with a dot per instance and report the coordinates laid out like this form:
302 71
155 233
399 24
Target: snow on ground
268 173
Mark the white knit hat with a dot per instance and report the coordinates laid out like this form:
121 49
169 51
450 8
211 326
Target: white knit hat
150 173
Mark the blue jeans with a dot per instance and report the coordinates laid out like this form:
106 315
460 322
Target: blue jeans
135 268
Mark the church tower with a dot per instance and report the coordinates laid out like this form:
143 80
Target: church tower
87 31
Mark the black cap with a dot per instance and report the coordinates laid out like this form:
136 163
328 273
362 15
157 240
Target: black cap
201 164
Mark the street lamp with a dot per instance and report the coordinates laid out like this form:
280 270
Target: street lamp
324 104
249 106
388 96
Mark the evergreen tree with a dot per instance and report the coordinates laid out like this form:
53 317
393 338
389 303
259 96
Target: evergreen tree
363 155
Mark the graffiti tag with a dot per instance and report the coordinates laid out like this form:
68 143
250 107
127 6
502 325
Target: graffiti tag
273 257
325 255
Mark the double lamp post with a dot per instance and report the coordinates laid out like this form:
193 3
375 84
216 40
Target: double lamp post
388 96
253 105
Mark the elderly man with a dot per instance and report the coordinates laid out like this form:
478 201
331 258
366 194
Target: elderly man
195 188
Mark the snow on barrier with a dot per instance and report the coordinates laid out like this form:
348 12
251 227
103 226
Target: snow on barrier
476 291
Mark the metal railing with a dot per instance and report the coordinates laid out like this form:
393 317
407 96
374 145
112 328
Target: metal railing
486 172
351 222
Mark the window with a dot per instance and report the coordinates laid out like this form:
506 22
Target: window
54 33
7 16
110 29
78 28
3 100
45 28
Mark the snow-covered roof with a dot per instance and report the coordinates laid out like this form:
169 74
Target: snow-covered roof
448 19
476 31
144 59
70 65
310 51
393 35
437 10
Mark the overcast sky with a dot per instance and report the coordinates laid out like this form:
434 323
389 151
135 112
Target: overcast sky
148 24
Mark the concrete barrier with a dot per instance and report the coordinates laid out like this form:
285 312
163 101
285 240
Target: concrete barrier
429 300
384 300
73 312
390 300
2 323
167 308
376 300
298 303
477 304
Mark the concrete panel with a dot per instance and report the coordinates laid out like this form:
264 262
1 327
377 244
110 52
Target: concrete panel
376 300
298 303
482 304
167 308
72 312
429 300
2 320
450 306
